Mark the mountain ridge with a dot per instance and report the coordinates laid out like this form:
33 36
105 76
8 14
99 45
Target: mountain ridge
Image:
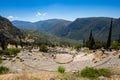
79 29
8 29
9 34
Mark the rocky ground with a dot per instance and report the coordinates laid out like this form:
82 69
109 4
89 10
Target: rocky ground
36 65
39 62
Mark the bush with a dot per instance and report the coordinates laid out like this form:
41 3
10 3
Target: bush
77 47
115 45
89 73
93 73
1 52
61 69
3 70
11 52
43 48
99 45
104 72
0 61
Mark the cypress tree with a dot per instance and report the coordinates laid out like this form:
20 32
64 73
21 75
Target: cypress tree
119 39
84 43
110 34
91 42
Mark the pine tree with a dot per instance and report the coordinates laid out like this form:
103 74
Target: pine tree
110 33
91 42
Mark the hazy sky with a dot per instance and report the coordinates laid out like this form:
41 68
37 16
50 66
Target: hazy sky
35 10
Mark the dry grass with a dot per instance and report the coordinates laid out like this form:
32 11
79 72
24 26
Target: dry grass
113 77
55 76
115 70
47 76
116 73
27 76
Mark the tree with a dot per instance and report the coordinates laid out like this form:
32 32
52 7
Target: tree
119 39
91 42
84 43
3 41
110 33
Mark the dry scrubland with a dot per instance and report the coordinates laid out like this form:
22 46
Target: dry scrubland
47 76
26 76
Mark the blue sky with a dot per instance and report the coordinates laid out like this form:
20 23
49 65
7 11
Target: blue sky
35 10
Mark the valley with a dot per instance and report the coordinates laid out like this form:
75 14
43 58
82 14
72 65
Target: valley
78 29
28 52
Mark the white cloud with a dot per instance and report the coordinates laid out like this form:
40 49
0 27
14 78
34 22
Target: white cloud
44 14
41 14
10 17
38 14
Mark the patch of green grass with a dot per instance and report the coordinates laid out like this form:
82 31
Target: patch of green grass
77 46
104 72
86 51
69 76
61 69
89 72
3 70
93 73
11 52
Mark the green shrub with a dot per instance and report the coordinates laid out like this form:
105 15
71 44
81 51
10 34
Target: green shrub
93 73
11 52
43 48
3 70
0 61
104 72
1 52
89 72
77 46
115 45
61 69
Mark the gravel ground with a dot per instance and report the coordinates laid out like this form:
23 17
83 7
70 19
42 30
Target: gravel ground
35 62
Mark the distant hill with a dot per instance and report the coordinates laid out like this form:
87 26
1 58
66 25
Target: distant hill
42 38
13 35
53 26
24 25
8 31
78 29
